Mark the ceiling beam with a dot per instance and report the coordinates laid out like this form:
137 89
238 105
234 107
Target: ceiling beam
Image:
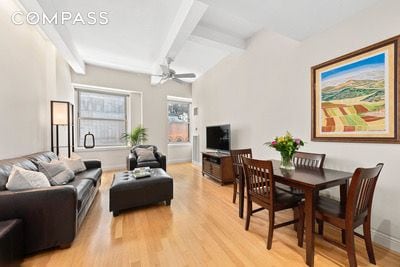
59 36
209 37
188 16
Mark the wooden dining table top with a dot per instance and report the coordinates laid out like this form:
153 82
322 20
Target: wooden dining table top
310 177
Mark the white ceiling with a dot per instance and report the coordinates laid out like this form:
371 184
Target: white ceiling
198 34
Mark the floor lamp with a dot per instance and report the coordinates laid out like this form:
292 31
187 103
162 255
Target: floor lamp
62 114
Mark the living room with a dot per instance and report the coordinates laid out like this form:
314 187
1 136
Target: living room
203 99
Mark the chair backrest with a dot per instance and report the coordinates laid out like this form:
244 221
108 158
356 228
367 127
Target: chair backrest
361 191
237 155
260 182
312 160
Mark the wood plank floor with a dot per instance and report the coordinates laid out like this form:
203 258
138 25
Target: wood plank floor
200 228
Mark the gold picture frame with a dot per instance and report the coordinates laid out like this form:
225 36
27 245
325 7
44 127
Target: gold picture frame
355 97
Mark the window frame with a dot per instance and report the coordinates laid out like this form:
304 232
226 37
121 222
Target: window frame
78 90
181 100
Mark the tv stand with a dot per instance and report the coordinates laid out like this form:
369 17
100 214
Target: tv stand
218 166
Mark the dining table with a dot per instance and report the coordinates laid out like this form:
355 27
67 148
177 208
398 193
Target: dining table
312 180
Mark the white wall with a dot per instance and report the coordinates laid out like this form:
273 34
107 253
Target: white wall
154 107
31 74
267 90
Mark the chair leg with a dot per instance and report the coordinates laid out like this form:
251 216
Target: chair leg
234 191
343 237
249 212
295 216
320 227
270 228
368 240
300 227
351 254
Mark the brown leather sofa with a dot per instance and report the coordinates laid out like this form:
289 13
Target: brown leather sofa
51 216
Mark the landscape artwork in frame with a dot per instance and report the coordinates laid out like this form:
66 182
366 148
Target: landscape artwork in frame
355 96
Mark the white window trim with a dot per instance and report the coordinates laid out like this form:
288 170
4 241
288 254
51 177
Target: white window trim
94 88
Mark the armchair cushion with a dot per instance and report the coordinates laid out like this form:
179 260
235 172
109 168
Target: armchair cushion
151 164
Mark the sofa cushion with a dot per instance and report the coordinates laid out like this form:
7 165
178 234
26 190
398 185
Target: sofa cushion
151 164
42 156
83 187
91 174
21 179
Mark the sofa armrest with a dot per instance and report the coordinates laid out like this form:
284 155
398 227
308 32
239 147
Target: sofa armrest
131 161
92 164
162 159
49 215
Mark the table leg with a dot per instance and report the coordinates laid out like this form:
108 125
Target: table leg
241 197
310 198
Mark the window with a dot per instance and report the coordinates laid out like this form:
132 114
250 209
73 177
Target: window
178 121
102 114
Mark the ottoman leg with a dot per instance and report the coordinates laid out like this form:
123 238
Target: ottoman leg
168 202
115 213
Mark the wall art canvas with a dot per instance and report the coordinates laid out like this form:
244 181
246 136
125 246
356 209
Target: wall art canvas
355 96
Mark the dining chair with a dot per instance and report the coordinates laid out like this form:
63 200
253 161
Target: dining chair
356 211
305 160
260 187
238 181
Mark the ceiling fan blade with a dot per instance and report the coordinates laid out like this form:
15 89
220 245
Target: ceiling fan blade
164 68
178 80
185 75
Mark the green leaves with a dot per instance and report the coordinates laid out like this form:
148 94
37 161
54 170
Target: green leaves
137 136
286 144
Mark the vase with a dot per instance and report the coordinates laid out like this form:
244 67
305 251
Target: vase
287 162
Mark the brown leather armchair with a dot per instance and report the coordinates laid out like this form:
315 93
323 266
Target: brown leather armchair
160 162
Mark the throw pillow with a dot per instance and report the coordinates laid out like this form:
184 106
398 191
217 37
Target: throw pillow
63 177
21 179
75 163
56 172
145 154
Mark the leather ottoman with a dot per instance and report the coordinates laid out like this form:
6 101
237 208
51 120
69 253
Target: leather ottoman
128 192
11 242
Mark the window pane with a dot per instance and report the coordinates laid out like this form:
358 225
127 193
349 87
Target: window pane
98 105
179 122
106 133
178 132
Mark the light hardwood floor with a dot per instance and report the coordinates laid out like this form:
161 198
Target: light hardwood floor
200 228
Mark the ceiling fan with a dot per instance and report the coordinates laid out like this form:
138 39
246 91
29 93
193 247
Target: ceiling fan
170 74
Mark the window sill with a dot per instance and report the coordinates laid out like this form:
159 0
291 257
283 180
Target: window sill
103 148
180 144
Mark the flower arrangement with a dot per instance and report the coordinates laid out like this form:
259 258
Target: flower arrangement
287 145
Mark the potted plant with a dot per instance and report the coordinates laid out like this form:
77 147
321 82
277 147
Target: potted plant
137 136
287 146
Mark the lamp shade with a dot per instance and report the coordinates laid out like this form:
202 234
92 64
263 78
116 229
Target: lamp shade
60 113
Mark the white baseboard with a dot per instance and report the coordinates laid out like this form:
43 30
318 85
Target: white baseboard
179 161
385 240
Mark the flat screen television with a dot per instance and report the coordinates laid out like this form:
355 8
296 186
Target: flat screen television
219 137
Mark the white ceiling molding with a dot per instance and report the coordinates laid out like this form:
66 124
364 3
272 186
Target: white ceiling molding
59 36
208 36
188 16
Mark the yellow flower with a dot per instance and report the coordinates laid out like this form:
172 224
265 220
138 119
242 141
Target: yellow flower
281 139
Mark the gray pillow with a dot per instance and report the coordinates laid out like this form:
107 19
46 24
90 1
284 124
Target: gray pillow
56 172
145 154
21 179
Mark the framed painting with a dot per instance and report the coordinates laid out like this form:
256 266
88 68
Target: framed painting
355 97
